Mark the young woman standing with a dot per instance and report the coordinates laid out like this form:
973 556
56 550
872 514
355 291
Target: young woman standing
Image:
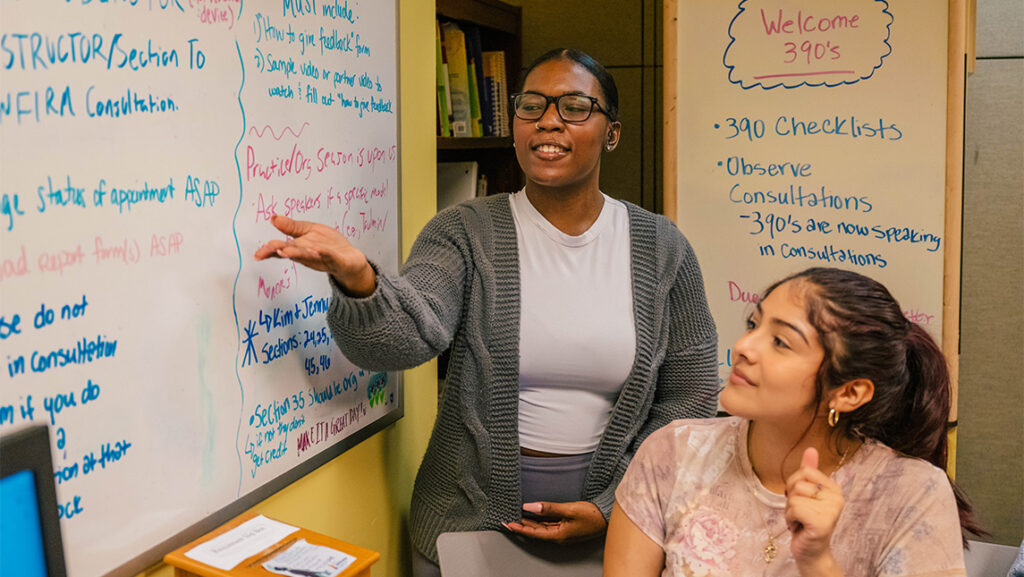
577 325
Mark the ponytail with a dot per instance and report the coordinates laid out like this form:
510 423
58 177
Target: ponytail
924 432
919 427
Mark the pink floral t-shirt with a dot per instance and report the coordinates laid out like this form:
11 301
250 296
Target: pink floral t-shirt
690 488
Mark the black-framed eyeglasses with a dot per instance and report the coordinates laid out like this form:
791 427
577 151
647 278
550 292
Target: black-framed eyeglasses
570 107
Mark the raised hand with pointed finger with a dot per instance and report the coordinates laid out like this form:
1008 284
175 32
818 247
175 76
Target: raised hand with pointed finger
813 504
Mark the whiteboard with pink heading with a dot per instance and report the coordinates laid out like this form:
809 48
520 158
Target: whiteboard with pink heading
145 145
812 134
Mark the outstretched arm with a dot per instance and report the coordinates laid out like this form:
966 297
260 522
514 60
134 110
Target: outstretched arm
385 321
321 248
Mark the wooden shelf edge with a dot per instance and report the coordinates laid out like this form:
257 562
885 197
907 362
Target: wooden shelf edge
489 13
473 143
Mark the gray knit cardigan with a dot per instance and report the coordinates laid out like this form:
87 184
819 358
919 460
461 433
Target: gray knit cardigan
460 289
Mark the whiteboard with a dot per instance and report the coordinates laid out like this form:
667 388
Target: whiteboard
810 134
145 145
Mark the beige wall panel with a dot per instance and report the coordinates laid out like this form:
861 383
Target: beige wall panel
654 32
652 157
608 30
620 169
1000 30
659 139
990 438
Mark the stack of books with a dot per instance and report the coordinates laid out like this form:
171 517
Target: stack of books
472 89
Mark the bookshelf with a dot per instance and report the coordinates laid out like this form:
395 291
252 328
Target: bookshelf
500 27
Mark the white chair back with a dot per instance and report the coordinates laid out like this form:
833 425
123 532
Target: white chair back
493 554
989 560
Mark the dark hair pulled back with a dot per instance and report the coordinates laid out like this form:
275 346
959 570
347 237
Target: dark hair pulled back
604 78
865 336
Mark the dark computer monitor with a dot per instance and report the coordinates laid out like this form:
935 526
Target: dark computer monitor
30 542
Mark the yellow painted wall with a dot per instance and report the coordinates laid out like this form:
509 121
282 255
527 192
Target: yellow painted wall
362 496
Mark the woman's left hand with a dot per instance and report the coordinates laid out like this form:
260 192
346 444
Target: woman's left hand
813 504
561 522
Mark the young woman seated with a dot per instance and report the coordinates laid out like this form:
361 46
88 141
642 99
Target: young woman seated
832 462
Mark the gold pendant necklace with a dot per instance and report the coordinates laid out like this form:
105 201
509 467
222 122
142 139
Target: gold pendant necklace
771 551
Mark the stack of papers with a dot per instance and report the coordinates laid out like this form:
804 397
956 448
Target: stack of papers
301 559
304 559
228 550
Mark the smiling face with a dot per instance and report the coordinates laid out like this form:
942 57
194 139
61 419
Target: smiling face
556 155
775 363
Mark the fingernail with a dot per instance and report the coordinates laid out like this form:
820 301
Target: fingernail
532 507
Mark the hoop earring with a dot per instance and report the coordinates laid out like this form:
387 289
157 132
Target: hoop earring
833 418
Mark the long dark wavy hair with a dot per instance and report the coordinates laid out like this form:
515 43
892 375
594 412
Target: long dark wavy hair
865 336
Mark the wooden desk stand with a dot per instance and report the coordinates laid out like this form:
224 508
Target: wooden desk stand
252 567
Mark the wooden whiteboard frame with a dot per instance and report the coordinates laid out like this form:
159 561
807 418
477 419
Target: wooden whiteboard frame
956 66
